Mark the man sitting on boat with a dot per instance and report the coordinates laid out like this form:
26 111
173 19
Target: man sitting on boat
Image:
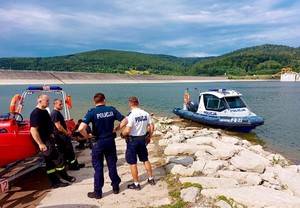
83 143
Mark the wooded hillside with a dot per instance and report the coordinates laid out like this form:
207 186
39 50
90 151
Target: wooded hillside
264 59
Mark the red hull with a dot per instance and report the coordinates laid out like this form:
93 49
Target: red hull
15 144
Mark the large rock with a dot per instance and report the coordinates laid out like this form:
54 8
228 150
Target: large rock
289 178
180 169
189 194
168 135
222 204
208 140
242 177
183 148
229 139
258 150
161 202
164 142
211 182
199 165
255 196
185 161
223 151
187 133
249 161
212 166
177 138
270 176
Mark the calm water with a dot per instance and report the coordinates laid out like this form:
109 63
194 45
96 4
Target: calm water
277 102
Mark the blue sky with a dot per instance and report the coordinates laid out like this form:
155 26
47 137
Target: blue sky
183 28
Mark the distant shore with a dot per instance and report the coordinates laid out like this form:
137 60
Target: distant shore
12 77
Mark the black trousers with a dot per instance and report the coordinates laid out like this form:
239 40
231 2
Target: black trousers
65 147
54 162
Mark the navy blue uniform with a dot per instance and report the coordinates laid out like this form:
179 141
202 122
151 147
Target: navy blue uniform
102 118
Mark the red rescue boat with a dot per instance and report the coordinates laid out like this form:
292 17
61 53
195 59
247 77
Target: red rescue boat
16 142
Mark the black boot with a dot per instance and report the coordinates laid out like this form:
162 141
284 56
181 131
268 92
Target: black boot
76 166
64 175
53 178
55 181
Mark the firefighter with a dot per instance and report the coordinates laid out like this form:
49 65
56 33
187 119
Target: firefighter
63 136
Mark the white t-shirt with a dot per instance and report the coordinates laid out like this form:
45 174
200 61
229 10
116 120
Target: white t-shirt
138 119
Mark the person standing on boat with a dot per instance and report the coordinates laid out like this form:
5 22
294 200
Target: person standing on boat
63 136
102 118
137 138
41 128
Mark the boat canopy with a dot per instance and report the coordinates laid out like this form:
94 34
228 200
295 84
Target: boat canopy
220 93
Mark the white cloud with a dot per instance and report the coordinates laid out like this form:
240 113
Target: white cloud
174 27
28 19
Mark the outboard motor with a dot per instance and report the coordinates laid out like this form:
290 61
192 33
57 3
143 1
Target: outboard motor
192 106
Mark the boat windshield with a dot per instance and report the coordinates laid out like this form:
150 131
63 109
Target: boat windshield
235 102
212 102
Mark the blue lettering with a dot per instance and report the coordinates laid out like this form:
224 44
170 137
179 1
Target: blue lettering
237 110
210 113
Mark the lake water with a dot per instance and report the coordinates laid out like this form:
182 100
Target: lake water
277 102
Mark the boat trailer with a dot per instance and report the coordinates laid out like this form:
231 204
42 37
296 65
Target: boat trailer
16 170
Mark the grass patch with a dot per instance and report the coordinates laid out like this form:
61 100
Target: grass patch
175 187
189 184
178 204
230 201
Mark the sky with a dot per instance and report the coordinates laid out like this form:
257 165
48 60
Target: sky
182 28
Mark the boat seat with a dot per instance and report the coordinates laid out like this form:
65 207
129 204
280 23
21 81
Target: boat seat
23 123
4 117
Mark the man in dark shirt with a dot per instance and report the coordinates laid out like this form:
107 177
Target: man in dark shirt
63 136
83 143
41 128
102 118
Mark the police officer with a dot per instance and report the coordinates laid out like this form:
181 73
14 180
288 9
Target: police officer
135 133
102 118
41 128
62 136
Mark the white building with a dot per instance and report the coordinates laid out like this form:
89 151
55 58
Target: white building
290 77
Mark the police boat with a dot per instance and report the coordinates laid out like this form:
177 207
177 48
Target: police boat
220 108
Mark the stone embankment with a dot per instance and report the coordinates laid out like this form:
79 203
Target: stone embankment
228 171
51 77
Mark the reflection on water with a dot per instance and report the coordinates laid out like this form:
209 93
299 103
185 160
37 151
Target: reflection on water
277 102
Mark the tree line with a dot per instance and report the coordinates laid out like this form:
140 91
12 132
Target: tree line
265 59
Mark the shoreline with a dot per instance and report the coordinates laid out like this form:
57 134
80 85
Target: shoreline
204 167
46 78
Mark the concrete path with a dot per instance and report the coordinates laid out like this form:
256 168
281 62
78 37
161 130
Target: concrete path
75 195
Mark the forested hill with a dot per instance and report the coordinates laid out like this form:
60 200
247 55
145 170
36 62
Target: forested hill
264 59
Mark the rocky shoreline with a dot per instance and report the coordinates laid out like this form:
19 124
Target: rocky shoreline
226 171
193 166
